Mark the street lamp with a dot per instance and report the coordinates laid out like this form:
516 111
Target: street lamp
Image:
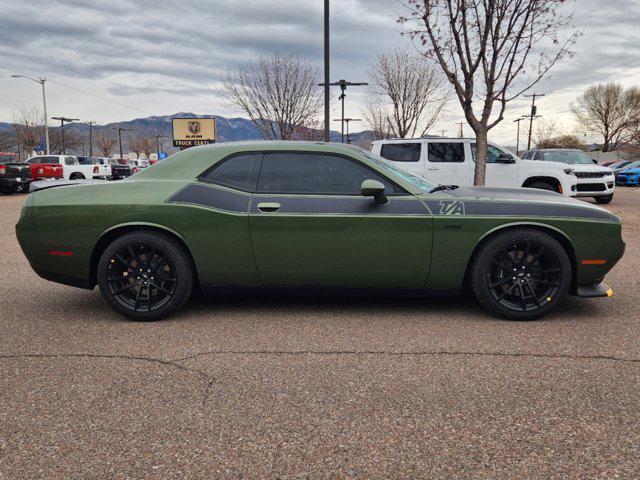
41 81
62 120
343 84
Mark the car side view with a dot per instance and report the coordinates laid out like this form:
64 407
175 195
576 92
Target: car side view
292 216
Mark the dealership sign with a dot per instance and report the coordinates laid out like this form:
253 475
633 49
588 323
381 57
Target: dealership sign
189 132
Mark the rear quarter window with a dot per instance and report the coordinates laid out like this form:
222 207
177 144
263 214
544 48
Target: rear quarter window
401 152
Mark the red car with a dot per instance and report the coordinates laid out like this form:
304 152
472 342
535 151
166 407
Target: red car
45 167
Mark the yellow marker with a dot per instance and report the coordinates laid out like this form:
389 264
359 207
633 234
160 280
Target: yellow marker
609 293
548 299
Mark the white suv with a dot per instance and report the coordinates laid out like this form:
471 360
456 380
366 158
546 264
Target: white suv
593 180
452 161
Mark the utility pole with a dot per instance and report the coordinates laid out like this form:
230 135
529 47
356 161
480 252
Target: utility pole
62 120
327 75
41 81
343 84
158 137
534 111
461 131
120 130
518 135
91 124
443 133
347 120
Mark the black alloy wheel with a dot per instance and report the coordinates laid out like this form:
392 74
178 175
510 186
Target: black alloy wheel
145 275
521 274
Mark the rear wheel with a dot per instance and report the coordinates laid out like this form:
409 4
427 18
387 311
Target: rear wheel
604 199
521 274
145 276
76 176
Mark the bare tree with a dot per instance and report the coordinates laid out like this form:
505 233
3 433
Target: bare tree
72 141
136 145
7 141
376 116
611 111
278 93
546 129
28 128
106 143
414 88
311 131
147 146
491 51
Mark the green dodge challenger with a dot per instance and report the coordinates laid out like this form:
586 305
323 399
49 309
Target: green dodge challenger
287 216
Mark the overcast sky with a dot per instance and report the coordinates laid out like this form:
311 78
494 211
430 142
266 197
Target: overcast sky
122 59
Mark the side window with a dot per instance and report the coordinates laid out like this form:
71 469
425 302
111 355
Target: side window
536 156
401 152
320 174
35 160
70 161
50 159
492 153
446 152
239 171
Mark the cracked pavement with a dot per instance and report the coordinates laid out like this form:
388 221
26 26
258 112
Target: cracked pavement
317 387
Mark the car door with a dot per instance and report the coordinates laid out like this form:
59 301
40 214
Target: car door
310 226
498 174
447 163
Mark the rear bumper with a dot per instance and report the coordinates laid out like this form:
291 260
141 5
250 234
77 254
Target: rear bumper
594 291
64 279
7 182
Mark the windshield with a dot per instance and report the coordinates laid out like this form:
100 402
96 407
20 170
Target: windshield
568 156
632 165
418 182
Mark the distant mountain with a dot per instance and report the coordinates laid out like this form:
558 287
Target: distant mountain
229 129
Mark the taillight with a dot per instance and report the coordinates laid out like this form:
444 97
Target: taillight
96 170
3 169
40 171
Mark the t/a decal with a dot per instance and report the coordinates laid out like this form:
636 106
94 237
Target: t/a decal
451 207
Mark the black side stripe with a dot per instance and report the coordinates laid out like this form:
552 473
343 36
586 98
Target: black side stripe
341 205
212 197
495 209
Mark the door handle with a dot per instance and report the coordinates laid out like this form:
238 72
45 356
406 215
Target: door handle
433 168
268 207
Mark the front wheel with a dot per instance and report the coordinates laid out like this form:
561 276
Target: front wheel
604 199
521 274
145 276
542 185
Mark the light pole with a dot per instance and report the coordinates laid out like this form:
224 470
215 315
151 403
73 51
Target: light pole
62 120
91 124
120 130
158 137
534 111
343 84
347 120
326 72
41 81
518 135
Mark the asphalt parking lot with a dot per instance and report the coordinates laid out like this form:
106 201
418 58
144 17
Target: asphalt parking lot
317 388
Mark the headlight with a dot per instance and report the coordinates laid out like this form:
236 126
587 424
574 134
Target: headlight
569 171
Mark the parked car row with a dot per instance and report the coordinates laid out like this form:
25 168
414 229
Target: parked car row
452 161
16 176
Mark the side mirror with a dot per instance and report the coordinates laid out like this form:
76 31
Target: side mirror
505 158
375 189
594 161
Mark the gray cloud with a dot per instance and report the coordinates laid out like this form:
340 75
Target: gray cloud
179 51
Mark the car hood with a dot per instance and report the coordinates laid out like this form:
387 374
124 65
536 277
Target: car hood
631 171
590 168
515 202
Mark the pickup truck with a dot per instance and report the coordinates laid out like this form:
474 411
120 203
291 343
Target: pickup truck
42 169
71 167
450 161
116 171
14 176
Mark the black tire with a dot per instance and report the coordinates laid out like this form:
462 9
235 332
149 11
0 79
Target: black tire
520 274
604 199
76 176
542 185
145 276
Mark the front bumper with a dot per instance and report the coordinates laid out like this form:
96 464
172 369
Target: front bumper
594 291
597 188
629 181
12 182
